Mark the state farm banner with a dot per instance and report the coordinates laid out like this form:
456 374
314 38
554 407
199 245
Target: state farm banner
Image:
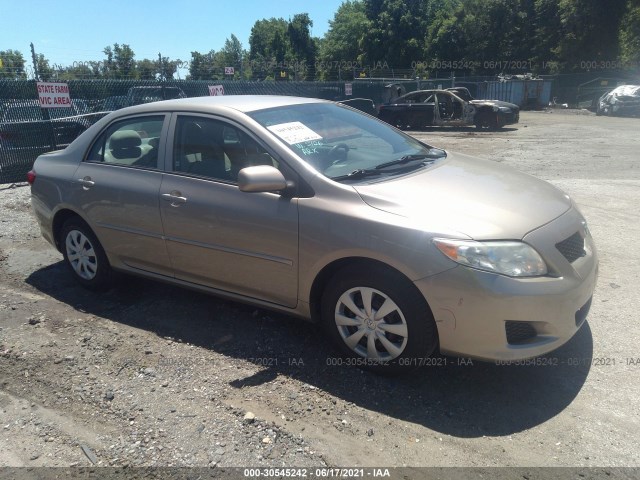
53 95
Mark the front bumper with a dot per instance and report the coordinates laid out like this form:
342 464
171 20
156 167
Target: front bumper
494 317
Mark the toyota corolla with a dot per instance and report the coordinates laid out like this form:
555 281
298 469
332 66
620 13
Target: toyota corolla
317 210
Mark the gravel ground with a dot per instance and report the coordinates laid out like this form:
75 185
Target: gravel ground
152 375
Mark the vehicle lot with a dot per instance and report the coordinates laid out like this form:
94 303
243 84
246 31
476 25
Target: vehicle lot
154 375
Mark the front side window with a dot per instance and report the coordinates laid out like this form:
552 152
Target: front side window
133 142
214 149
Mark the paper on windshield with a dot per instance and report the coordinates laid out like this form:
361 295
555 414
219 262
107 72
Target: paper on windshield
294 132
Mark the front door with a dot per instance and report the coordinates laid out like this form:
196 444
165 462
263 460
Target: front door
216 235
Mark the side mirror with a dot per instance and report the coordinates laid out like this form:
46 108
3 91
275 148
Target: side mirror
261 178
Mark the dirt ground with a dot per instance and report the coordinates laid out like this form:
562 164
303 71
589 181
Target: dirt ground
152 375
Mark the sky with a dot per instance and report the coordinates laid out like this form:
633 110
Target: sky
73 30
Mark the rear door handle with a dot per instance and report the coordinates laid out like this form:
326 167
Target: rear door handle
174 197
86 182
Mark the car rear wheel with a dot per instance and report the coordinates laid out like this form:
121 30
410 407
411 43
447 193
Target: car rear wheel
378 320
84 255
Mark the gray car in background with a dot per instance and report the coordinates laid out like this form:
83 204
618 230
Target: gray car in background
314 209
621 101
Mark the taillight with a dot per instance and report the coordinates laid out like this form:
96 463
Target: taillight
31 177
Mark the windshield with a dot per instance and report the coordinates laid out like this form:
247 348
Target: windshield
338 141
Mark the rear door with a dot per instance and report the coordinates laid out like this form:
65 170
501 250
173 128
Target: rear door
218 236
117 186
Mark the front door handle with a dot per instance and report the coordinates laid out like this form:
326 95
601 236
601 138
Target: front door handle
174 197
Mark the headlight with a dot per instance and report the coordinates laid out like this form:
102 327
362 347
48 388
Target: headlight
514 259
504 109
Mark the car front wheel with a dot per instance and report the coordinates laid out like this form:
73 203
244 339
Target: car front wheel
378 320
84 255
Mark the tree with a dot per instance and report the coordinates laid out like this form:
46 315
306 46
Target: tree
630 34
167 68
147 69
12 64
268 46
343 44
277 44
344 41
201 66
45 72
120 61
396 33
589 31
547 35
459 35
303 48
232 55
77 72
268 40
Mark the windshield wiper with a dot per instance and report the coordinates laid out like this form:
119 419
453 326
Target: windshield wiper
402 161
359 173
433 155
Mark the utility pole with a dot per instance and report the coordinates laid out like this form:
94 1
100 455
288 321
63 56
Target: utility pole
160 66
35 62
45 111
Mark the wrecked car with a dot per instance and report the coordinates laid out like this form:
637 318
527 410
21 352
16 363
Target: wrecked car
621 101
453 107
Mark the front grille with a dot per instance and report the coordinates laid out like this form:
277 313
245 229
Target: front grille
581 315
519 332
572 248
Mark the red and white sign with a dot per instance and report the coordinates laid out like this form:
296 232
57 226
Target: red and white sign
216 90
53 95
348 89
229 70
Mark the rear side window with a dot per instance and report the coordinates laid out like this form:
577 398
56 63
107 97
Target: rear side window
133 142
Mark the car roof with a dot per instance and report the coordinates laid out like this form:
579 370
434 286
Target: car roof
241 103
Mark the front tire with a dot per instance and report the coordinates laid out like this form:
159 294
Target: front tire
84 256
378 319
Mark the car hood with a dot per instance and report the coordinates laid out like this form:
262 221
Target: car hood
464 195
497 103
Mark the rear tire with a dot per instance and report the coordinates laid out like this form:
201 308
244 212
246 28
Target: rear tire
84 256
378 320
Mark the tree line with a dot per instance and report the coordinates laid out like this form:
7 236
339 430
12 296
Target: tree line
423 37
